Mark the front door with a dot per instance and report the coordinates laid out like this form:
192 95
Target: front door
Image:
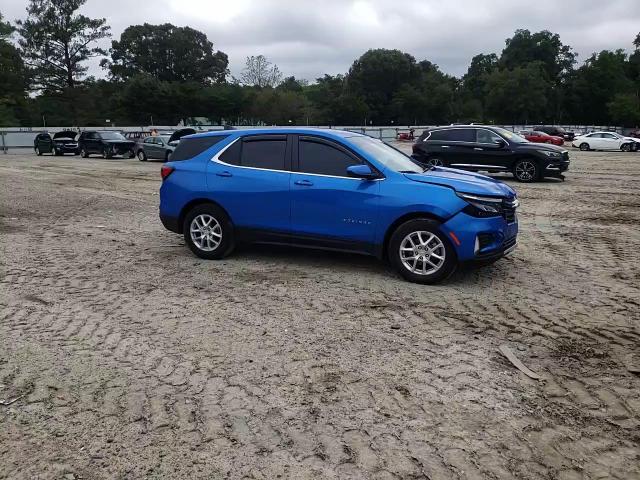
488 153
610 142
329 208
250 180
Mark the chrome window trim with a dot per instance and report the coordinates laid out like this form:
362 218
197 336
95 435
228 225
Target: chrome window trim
467 143
216 159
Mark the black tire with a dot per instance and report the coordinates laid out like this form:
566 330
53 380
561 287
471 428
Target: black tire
84 153
131 154
585 147
167 156
625 147
444 270
38 151
142 156
57 152
106 153
526 170
226 244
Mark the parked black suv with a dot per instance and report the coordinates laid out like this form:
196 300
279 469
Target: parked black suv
556 132
106 143
491 149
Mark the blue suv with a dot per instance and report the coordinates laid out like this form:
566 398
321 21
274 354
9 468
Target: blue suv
334 190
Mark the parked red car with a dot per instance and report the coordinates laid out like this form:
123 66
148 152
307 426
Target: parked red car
541 137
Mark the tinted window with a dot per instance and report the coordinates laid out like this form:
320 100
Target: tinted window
609 136
487 136
264 153
190 147
323 159
148 140
112 136
232 154
438 135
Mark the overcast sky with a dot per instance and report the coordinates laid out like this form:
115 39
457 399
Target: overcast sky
308 38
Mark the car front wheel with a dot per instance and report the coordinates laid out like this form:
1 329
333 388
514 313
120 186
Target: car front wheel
585 147
84 153
526 170
625 147
38 151
421 253
141 156
435 162
208 232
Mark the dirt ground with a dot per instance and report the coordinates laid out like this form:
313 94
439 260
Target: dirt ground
124 356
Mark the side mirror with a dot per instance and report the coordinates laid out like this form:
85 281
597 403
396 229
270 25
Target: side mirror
499 143
361 171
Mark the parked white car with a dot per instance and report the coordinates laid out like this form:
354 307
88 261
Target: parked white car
606 141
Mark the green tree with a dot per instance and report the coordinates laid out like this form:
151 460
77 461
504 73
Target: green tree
544 47
377 75
624 109
13 78
168 53
594 85
518 95
56 41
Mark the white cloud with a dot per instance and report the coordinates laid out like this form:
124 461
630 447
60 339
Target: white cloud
308 38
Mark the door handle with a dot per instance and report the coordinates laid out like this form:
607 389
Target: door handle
224 174
478 148
445 146
303 183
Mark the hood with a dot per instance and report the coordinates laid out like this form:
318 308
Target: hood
541 146
178 134
631 139
463 182
66 134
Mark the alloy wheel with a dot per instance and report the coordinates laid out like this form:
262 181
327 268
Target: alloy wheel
584 147
625 147
435 162
422 253
206 232
525 171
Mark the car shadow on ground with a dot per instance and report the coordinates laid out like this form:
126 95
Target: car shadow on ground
328 261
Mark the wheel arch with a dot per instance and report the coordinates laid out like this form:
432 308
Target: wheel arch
194 203
381 250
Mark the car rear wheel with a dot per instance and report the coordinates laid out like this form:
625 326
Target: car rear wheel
84 153
131 154
208 232
106 153
142 156
435 162
38 151
585 147
167 156
421 253
526 170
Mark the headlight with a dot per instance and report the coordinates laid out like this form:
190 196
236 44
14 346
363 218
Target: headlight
482 206
550 154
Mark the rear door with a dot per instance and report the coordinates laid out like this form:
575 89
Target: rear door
148 147
250 179
452 146
329 208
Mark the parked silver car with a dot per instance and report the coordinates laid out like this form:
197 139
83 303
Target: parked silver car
161 147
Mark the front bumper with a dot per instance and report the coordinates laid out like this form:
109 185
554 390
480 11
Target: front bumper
481 239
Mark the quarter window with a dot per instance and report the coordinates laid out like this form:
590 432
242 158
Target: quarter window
323 159
264 153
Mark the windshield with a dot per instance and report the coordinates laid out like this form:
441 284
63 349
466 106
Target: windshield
390 157
112 136
512 137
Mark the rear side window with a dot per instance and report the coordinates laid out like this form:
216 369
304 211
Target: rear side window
453 135
267 153
323 159
190 147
